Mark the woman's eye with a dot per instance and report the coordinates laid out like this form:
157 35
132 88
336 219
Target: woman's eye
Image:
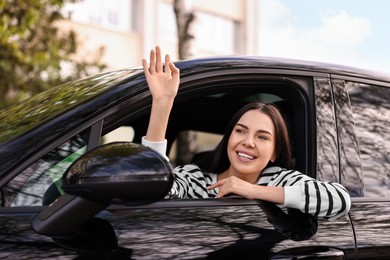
239 131
262 137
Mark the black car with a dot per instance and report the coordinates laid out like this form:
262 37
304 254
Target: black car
86 136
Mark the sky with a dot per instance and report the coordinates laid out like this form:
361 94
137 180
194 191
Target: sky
346 32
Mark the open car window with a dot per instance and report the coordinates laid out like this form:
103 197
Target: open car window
197 123
203 114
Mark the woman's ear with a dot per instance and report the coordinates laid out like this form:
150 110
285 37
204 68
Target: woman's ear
273 158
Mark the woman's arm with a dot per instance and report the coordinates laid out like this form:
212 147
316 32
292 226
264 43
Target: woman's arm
163 82
292 189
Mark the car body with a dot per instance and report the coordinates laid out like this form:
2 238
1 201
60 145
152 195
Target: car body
338 120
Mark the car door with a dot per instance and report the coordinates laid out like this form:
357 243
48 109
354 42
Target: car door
364 134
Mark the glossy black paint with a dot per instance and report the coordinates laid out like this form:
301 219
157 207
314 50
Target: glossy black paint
326 146
212 231
119 172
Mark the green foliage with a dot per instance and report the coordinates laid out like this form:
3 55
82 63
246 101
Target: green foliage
34 52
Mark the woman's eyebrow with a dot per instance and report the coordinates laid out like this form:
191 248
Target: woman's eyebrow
258 131
243 126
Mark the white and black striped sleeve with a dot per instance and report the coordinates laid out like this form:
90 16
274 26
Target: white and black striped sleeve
190 182
324 199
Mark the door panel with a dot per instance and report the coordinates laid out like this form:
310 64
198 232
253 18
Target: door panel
216 231
372 225
362 118
169 230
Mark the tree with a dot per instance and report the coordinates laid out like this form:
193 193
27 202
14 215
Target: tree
34 51
185 17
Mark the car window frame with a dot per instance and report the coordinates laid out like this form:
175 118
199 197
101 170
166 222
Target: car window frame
305 87
97 124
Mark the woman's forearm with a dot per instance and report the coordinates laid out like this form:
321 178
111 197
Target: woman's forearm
269 193
158 121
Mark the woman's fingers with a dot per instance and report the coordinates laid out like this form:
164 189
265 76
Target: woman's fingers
146 68
156 65
167 65
158 60
232 185
162 82
152 63
215 185
174 70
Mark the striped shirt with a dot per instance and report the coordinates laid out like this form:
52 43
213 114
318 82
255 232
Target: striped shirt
324 199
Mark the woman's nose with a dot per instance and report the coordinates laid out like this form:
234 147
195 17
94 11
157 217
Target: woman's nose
249 141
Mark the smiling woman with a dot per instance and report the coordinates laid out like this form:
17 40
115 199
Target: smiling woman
250 161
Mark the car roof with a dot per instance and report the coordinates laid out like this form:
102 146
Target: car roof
286 64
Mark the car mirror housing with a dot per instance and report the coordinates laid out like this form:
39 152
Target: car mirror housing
119 172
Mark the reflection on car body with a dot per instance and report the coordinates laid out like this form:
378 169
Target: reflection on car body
337 119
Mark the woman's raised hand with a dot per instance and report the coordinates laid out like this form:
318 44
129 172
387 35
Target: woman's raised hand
163 81
163 84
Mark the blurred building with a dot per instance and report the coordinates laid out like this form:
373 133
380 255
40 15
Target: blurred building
128 29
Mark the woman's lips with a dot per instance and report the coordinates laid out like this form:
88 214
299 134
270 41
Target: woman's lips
245 156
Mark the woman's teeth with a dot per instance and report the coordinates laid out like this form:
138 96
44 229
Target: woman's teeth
245 156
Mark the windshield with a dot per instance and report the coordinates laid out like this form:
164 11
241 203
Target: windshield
17 119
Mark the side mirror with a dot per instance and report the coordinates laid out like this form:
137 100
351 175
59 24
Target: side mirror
120 172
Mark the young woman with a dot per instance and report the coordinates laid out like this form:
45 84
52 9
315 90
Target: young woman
251 161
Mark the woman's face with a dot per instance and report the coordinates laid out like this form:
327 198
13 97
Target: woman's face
251 144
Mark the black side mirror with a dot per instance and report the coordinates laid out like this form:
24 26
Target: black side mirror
120 172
